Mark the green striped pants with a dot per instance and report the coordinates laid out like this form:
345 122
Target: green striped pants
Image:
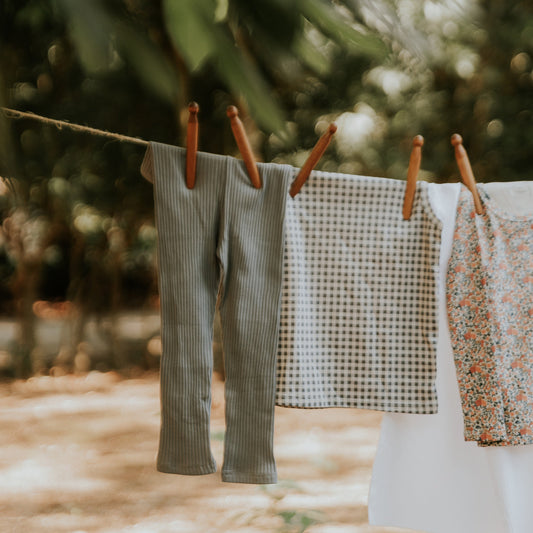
223 235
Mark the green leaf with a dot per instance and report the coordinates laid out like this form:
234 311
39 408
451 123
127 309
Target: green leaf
287 516
243 78
339 28
148 62
217 436
301 520
311 55
90 29
190 24
196 35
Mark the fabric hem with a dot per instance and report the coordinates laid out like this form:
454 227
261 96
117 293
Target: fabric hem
427 410
187 470
251 478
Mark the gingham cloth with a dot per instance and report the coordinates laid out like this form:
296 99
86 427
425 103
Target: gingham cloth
358 315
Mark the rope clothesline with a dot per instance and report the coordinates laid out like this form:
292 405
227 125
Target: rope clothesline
15 114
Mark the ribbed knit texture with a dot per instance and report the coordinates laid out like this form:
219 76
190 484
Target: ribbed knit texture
223 233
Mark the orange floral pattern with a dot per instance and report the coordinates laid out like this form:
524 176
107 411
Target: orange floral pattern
490 311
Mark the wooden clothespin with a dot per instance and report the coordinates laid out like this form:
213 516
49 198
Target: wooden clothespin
192 144
466 170
412 175
312 160
244 145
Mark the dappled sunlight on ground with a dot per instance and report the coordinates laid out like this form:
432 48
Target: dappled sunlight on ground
78 455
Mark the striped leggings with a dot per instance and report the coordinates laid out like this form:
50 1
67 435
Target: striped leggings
223 235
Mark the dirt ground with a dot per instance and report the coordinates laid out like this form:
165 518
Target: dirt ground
78 455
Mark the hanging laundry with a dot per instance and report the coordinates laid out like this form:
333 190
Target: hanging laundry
225 233
358 321
426 476
490 308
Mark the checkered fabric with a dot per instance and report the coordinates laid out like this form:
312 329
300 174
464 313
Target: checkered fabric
358 318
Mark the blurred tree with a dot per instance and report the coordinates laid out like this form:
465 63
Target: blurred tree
77 220
243 44
455 67
121 65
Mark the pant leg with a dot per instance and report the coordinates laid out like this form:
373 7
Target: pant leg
251 252
188 228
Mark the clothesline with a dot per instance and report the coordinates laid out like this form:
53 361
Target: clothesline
192 140
460 153
15 114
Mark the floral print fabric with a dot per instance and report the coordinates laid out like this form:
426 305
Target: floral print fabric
490 311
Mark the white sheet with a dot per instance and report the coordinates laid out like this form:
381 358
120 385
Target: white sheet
426 477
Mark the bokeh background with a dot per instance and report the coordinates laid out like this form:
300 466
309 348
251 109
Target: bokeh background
79 307
78 282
